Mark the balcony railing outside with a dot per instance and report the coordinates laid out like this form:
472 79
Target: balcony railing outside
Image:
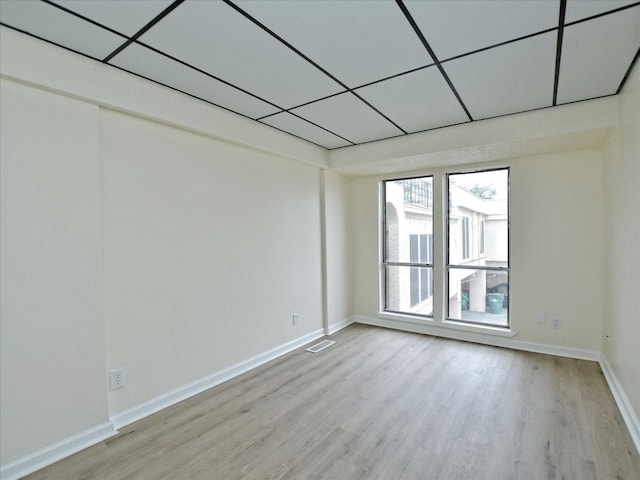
418 191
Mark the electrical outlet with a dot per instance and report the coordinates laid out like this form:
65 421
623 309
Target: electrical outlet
295 319
556 322
541 318
117 378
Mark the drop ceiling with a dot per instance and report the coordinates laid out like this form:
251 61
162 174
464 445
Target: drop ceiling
345 72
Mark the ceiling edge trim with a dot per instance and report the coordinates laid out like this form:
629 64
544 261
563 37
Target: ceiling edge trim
42 65
579 123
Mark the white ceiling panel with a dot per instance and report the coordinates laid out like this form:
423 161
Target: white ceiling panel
356 68
416 101
54 25
579 9
513 78
597 54
301 128
349 117
152 65
356 41
456 27
215 38
124 16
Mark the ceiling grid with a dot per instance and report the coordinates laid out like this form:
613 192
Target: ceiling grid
345 72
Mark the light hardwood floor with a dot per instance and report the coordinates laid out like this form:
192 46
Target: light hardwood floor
381 404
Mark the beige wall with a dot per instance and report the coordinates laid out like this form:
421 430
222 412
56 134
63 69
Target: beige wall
556 246
174 250
339 275
622 254
52 339
209 248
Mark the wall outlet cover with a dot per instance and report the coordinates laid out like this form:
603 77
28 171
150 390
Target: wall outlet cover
117 378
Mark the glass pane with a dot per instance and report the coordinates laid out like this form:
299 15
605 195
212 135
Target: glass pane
424 248
479 218
414 251
409 220
479 296
409 290
414 282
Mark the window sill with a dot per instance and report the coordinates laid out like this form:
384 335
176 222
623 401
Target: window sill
449 324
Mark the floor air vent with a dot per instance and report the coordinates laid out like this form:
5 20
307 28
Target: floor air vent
320 346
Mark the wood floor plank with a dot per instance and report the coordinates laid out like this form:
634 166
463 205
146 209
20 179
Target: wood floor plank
380 404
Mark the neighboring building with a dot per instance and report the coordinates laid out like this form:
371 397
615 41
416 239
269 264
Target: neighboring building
478 236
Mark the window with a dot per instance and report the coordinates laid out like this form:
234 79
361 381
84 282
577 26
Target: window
474 225
478 285
408 246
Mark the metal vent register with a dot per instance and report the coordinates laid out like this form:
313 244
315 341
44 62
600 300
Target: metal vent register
320 346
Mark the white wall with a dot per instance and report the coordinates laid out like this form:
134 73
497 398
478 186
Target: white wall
556 246
52 350
622 227
143 229
339 273
209 248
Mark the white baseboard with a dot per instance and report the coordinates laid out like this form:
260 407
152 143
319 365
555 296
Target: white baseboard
485 339
336 327
186 391
57 451
52 453
626 410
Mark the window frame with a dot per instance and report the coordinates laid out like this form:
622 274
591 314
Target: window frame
439 267
448 266
386 263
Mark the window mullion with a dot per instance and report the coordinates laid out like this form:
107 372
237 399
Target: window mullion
439 243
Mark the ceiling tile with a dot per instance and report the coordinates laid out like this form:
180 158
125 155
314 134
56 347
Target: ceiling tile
416 101
214 52
152 65
301 128
596 55
456 27
512 78
349 117
579 9
124 16
57 26
215 38
356 41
